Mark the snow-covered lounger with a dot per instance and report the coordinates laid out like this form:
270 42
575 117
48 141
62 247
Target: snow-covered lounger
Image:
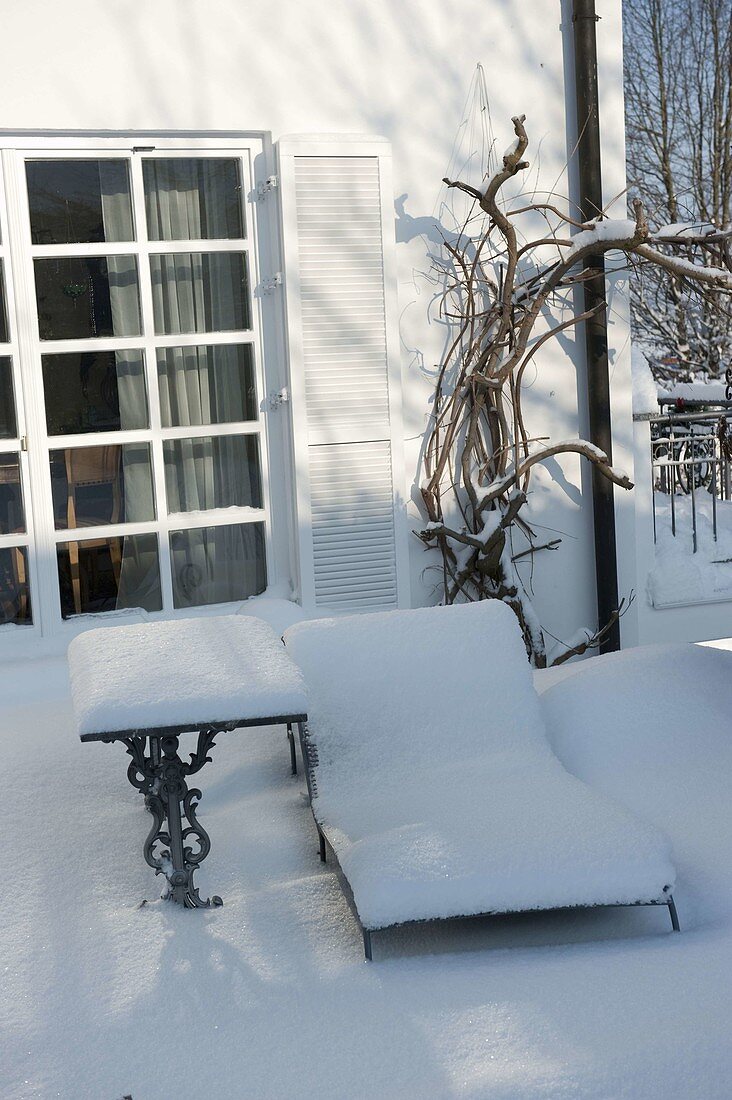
433 781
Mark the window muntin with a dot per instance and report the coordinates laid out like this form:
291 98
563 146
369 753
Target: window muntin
221 564
3 306
193 198
15 594
207 472
200 292
87 297
8 413
12 510
79 201
94 391
109 574
100 486
207 384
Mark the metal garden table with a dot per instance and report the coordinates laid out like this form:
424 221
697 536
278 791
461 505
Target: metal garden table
239 647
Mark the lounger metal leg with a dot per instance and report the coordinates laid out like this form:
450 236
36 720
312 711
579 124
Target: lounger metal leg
673 914
293 754
367 944
309 760
323 852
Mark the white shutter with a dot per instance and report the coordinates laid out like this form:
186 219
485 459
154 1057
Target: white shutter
338 226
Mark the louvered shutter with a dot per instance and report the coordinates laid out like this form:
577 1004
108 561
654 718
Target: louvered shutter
338 229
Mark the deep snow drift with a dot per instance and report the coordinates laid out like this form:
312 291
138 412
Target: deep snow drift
269 997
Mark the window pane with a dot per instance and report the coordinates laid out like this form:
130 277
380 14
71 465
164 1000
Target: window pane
8 419
206 385
193 198
15 602
109 575
93 485
3 309
212 472
94 391
12 515
79 201
218 564
200 292
87 296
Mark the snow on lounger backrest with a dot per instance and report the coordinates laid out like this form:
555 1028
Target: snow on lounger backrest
435 684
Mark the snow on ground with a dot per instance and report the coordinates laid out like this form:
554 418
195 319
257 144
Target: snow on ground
680 576
269 997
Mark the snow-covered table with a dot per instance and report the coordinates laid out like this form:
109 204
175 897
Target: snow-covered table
147 684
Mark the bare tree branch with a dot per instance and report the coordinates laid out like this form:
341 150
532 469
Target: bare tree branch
504 306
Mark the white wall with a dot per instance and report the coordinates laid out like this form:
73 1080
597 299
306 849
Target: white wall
396 67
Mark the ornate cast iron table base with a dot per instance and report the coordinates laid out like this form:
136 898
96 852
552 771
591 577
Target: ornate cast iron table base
177 843
152 700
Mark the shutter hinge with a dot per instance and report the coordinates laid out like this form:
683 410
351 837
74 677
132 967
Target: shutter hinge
270 285
279 398
265 186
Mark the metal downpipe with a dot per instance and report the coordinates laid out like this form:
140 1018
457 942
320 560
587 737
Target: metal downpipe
584 19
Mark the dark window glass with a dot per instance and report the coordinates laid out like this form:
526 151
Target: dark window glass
74 201
218 564
8 419
15 601
86 296
212 472
109 575
206 385
95 485
193 198
12 515
3 308
200 292
94 391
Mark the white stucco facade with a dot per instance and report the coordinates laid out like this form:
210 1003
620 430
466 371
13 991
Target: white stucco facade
400 70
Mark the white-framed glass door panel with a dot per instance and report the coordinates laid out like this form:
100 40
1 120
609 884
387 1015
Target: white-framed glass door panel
199 303
146 347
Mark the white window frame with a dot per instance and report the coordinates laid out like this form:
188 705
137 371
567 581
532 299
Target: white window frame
265 336
11 349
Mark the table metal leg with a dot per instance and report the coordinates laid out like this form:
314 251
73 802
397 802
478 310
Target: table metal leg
161 776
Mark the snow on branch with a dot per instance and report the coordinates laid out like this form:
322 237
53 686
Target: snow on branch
567 446
718 277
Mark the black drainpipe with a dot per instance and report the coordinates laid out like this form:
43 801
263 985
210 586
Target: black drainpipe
585 19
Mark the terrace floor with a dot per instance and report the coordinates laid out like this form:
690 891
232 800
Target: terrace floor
269 997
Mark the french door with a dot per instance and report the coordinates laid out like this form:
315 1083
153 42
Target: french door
134 467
